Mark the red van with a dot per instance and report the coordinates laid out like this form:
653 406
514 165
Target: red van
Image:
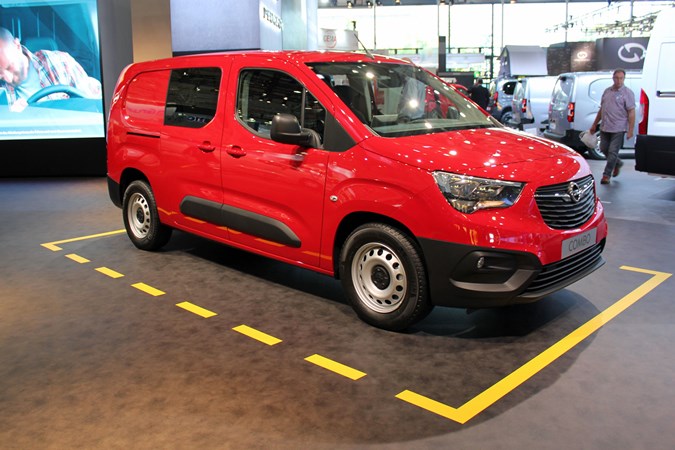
365 168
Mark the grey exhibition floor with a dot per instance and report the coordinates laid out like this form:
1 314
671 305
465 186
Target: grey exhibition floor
88 361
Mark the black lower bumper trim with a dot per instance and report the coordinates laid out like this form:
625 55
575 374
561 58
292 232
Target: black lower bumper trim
474 277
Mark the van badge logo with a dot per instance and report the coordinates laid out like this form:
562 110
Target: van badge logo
632 52
574 191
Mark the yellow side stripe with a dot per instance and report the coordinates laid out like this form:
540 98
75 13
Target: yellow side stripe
148 289
336 367
109 272
205 313
257 335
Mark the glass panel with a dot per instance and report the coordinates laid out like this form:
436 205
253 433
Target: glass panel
193 97
396 99
264 93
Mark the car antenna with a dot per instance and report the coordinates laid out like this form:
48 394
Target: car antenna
370 55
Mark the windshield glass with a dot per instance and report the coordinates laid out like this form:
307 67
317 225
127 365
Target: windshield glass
400 99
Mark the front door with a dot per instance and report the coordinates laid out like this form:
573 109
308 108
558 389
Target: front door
273 192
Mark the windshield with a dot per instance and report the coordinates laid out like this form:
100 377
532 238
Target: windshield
400 99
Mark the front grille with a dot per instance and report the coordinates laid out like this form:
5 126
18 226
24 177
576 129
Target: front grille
558 207
566 271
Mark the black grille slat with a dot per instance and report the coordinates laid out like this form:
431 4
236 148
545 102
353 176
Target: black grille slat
559 211
557 273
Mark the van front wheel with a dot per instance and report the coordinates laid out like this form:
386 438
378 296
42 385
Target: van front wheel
384 277
141 218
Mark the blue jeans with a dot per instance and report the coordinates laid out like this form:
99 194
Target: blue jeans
610 144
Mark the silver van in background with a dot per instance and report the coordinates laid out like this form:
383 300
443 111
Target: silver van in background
501 94
575 102
530 103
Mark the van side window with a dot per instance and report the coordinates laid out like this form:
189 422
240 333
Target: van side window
264 93
192 97
597 87
509 87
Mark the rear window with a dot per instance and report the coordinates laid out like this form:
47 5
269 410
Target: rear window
562 91
192 98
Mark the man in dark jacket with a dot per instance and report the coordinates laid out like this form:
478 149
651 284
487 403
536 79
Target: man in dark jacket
479 93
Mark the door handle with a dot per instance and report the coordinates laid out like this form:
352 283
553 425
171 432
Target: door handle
236 151
206 147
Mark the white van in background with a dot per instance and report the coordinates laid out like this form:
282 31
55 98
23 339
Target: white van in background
530 103
655 146
575 102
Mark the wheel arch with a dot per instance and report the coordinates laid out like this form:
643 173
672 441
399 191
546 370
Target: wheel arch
354 220
129 175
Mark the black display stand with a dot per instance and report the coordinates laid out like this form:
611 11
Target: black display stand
53 157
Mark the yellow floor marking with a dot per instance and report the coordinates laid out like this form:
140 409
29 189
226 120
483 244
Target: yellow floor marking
491 395
77 258
148 289
53 246
336 367
111 273
205 313
257 335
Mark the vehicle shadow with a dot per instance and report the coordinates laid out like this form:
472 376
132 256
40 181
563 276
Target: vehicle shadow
450 356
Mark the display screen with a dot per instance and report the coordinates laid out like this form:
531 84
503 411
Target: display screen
50 70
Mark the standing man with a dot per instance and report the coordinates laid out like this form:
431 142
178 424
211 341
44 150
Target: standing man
23 73
479 93
617 111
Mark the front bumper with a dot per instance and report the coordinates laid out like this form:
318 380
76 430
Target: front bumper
473 277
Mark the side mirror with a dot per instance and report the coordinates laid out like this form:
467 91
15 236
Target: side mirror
286 129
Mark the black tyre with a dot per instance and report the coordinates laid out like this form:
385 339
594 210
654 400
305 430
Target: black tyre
507 117
383 274
141 218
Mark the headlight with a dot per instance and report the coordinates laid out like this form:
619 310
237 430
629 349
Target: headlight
469 194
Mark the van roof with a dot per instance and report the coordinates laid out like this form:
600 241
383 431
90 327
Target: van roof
295 56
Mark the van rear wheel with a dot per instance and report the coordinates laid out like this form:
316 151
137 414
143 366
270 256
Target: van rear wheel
141 218
383 274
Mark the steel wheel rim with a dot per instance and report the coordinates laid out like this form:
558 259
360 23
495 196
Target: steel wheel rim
138 216
379 278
